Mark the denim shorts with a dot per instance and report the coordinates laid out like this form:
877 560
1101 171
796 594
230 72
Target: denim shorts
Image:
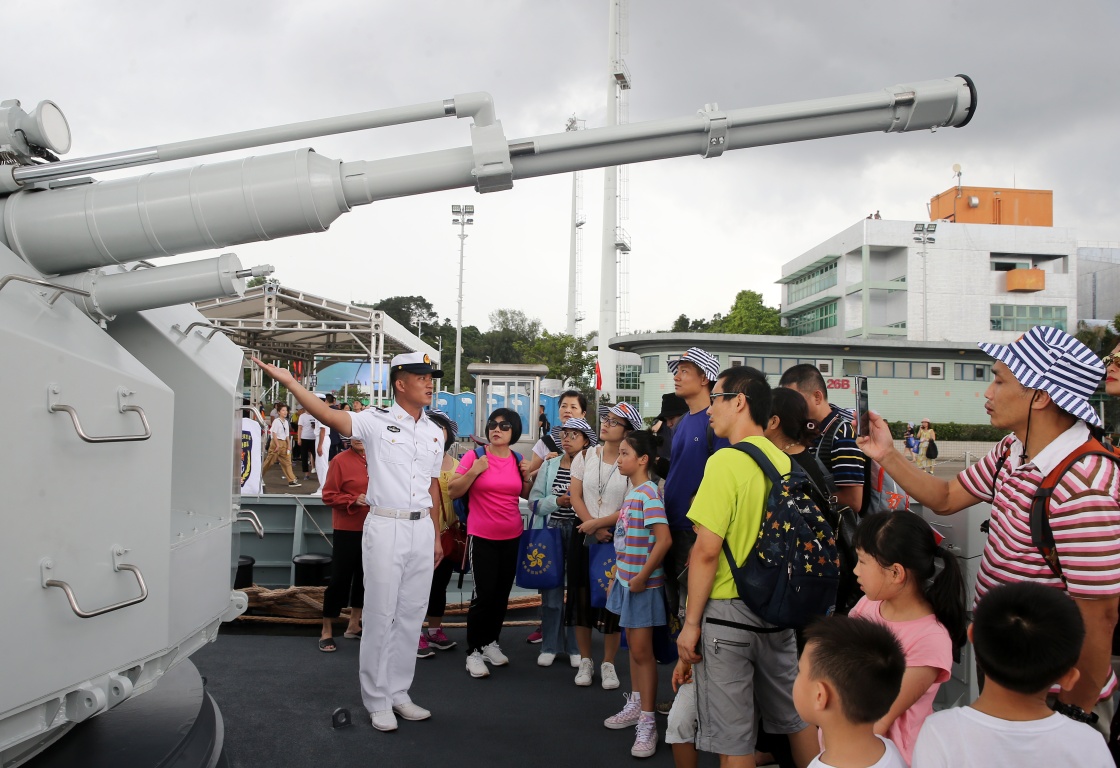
637 610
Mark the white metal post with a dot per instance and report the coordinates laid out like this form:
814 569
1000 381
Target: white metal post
462 212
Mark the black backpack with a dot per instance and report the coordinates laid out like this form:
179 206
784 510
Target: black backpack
791 574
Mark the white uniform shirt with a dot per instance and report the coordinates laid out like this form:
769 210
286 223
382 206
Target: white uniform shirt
403 455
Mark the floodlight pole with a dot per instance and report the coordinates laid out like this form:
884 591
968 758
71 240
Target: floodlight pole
462 212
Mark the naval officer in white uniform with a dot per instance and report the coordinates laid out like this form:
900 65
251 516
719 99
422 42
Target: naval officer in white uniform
404 455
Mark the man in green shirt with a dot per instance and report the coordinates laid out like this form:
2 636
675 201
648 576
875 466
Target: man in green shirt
741 662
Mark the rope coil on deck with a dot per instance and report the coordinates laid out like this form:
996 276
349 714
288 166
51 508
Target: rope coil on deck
304 605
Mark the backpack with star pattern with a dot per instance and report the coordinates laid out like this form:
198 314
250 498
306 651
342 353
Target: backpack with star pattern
790 576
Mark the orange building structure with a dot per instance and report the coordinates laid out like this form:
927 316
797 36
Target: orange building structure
993 205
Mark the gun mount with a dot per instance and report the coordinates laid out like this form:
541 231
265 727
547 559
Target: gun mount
114 354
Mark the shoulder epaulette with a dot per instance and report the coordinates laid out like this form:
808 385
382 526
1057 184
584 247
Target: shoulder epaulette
380 410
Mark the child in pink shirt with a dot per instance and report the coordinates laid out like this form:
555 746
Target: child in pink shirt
922 605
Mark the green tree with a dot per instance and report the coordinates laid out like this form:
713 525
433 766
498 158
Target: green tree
255 281
567 357
508 329
408 310
749 315
684 325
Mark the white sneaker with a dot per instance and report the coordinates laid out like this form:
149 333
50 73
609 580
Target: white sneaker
494 655
546 659
574 658
411 711
586 672
609 676
629 716
645 739
384 720
476 665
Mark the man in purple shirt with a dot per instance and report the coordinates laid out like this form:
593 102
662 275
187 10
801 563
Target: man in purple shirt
694 372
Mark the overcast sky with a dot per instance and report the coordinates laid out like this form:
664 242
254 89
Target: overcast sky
135 74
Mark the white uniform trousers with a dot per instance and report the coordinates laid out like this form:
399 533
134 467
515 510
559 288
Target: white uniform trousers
398 558
322 463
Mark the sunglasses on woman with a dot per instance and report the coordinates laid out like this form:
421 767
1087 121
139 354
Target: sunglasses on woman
1112 358
504 426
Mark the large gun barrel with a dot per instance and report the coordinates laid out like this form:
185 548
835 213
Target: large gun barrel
82 226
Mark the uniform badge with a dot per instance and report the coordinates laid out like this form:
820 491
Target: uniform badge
393 428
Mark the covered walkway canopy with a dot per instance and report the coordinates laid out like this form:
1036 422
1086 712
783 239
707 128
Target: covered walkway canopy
275 322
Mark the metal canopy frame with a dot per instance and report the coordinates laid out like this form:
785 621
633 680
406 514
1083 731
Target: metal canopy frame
274 321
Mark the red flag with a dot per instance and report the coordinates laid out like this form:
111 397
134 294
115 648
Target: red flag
598 377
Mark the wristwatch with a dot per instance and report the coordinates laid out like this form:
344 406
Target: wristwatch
1074 712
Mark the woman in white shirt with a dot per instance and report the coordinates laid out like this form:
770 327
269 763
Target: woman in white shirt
597 492
280 449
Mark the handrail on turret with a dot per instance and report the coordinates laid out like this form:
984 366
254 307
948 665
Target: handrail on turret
58 289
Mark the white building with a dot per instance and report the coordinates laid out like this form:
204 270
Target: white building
933 281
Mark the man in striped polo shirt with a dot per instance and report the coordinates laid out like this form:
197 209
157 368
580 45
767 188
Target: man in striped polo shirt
1039 392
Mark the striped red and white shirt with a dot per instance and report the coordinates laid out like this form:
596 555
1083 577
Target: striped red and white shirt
1084 516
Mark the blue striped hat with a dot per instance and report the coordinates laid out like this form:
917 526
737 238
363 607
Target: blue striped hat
701 359
579 425
1061 366
623 411
441 418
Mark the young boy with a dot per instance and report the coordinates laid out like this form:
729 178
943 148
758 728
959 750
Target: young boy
1026 637
848 677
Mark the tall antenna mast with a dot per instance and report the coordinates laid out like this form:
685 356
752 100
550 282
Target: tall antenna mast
575 257
614 238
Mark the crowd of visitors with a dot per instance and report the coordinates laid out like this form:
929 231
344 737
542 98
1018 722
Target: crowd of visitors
851 689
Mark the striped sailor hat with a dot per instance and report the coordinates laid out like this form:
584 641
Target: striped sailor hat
623 411
442 419
701 359
1051 360
579 425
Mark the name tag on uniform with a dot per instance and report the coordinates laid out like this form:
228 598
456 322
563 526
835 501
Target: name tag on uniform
393 428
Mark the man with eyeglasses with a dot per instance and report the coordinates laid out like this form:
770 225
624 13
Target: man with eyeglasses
1040 390
400 539
741 666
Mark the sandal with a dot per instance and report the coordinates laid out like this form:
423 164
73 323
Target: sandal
353 635
326 645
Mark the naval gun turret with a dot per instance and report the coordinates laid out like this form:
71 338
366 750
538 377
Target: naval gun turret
122 499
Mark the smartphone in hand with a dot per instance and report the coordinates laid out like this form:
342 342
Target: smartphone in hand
863 419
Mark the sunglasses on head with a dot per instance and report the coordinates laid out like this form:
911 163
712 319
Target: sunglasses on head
505 426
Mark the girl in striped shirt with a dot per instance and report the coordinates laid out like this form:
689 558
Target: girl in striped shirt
641 539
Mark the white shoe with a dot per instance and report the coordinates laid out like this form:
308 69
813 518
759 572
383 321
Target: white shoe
575 660
411 711
546 659
586 672
609 676
476 665
494 655
384 720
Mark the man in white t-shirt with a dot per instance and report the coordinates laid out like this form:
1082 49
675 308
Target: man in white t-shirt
1027 638
306 428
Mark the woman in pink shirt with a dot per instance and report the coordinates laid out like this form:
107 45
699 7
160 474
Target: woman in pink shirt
493 482
922 605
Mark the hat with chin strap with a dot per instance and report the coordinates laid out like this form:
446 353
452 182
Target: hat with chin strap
415 362
1061 366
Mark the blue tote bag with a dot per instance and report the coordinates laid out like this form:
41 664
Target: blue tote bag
540 562
601 565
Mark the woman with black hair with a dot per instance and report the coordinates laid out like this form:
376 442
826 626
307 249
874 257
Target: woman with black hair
921 603
495 482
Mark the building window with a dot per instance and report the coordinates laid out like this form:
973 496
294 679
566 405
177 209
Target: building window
734 361
628 376
634 400
812 320
973 372
811 283
1023 317
892 369
649 364
776 366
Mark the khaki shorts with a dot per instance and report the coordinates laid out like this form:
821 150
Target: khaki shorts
682 717
741 670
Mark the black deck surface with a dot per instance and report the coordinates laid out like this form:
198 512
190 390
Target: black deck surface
277 691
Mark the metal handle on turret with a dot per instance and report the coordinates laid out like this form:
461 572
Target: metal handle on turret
53 407
250 517
58 289
46 565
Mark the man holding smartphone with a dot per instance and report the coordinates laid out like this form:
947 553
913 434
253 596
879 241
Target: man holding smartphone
844 459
